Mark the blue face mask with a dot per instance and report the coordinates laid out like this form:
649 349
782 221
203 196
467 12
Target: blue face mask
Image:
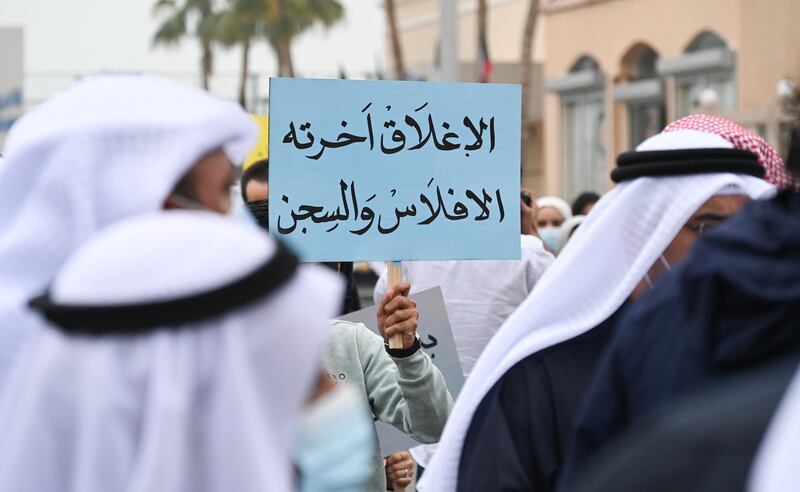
550 236
335 447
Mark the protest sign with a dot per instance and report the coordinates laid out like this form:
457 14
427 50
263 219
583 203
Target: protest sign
387 170
436 339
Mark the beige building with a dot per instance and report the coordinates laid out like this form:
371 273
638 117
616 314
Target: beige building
418 23
615 71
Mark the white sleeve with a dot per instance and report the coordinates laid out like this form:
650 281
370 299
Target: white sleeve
536 258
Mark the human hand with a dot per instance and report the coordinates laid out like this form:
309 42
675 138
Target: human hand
397 314
529 214
399 468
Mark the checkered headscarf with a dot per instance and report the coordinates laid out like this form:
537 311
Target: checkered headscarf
741 139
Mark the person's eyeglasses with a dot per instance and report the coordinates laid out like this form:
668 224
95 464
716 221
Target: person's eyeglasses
702 227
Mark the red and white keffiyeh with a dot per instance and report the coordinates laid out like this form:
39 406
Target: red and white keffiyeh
741 138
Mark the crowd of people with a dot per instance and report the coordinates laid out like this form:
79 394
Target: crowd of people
155 336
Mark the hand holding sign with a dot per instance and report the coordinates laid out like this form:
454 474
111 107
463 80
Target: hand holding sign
398 315
399 469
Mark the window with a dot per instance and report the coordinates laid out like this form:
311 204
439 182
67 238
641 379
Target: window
584 137
642 93
695 91
645 119
713 86
583 131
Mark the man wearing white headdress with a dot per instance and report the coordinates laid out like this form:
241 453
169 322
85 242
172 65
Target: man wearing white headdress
511 423
106 148
152 372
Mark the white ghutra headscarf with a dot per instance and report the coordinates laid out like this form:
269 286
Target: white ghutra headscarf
202 405
107 148
600 266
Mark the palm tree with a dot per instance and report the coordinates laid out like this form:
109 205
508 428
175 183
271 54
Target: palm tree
174 28
284 20
526 63
394 37
239 25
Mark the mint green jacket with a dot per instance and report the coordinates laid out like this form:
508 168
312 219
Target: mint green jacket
409 394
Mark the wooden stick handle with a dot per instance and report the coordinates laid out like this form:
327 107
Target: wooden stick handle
395 275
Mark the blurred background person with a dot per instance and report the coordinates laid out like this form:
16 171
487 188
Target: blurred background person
479 295
98 152
254 185
181 377
584 203
551 214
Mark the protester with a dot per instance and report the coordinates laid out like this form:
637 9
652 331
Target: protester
255 169
511 424
733 305
775 468
568 229
584 203
397 466
254 184
704 441
107 148
552 214
153 373
402 387
479 295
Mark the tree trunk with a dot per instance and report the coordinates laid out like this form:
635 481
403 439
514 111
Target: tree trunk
206 64
394 37
483 19
526 65
245 74
284 54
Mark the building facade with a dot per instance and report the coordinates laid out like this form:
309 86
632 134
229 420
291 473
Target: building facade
418 25
617 71
613 72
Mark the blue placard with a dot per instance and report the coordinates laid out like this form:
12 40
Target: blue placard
386 170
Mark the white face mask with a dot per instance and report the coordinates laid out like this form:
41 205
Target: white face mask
334 446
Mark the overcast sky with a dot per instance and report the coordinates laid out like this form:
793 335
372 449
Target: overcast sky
66 38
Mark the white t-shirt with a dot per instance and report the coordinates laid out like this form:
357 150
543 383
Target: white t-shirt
478 294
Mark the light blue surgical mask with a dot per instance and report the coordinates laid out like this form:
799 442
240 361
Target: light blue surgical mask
334 447
550 236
